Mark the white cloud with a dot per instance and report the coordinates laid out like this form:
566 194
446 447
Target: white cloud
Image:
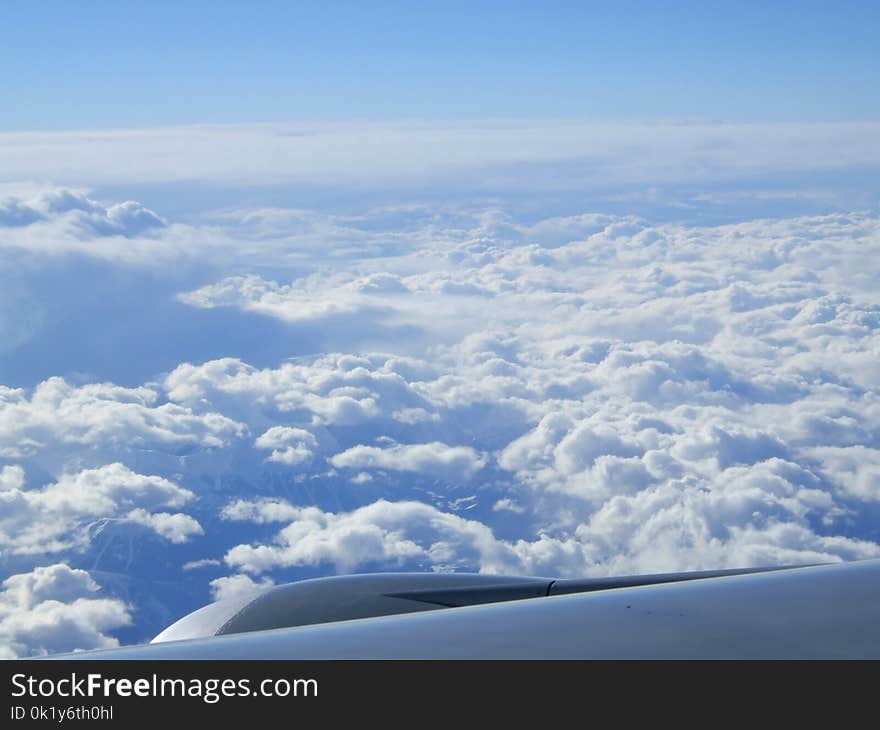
584 444
59 220
55 517
383 533
203 563
55 609
260 512
854 469
434 459
613 388
176 527
290 446
294 303
82 216
507 504
62 417
238 586
335 389
762 514
755 517
596 393
11 478
377 153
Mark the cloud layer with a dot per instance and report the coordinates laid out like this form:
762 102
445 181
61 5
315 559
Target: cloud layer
446 388
494 153
650 396
56 609
58 517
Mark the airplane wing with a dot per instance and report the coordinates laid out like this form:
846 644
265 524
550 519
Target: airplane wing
820 611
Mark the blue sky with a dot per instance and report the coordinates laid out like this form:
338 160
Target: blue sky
110 64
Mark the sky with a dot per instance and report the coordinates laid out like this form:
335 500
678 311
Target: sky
109 64
295 290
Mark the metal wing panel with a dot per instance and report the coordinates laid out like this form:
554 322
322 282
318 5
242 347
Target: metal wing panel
814 612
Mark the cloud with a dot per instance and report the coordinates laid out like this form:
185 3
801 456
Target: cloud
260 512
11 478
64 220
443 386
617 391
760 516
855 469
176 527
584 444
203 563
81 213
56 517
490 152
610 368
382 533
729 447
55 609
60 416
435 459
289 446
238 586
335 389
289 303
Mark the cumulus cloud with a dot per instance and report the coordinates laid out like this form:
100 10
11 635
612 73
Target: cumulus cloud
336 389
289 446
438 459
11 478
856 469
762 515
238 586
54 609
56 517
568 395
382 533
82 215
640 397
175 527
65 220
59 416
293 303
